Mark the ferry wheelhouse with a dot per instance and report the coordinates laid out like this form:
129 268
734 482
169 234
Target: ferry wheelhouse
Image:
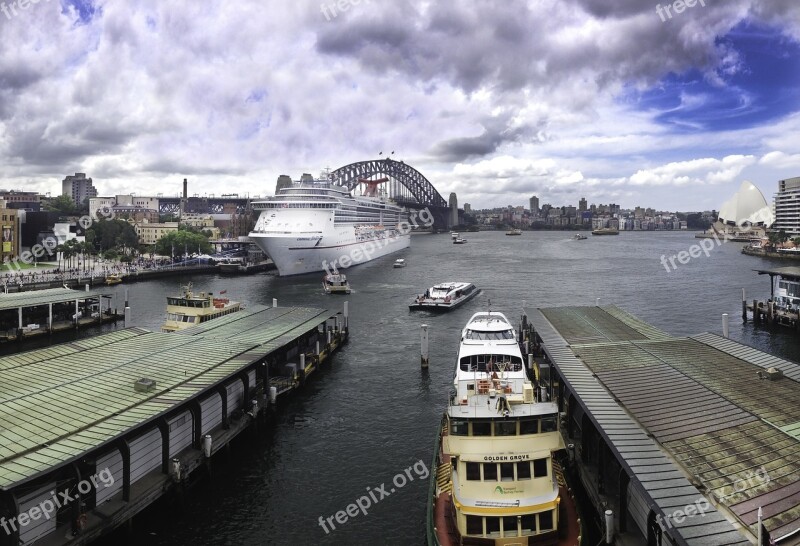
189 309
314 224
499 478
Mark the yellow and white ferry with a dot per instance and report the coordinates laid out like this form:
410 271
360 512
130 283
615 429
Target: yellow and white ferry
498 478
190 309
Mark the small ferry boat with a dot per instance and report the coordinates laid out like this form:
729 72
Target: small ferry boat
190 309
605 231
445 296
579 237
459 241
399 263
514 232
113 279
454 235
335 283
498 477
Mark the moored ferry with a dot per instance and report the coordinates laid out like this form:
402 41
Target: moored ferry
190 309
313 225
498 478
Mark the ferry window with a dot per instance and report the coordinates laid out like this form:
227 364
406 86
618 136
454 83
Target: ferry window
545 521
507 472
493 527
482 429
549 424
524 470
505 428
529 426
528 522
539 468
474 471
510 526
459 428
474 525
489 472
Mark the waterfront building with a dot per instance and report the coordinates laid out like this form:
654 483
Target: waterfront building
150 233
9 246
787 206
78 187
746 212
582 205
16 199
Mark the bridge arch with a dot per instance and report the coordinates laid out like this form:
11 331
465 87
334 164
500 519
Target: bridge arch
413 180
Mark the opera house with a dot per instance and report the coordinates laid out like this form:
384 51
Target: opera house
745 216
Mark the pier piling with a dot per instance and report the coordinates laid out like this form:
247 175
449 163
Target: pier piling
128 322
274 302
609 527
744 306
597 302
424 361
346 315
726 333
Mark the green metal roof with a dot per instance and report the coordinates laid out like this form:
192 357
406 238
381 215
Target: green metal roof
701 398
60 402
42 297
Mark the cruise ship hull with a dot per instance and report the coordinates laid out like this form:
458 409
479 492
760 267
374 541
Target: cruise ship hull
298 255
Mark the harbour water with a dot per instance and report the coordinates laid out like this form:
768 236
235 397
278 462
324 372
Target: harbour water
374 413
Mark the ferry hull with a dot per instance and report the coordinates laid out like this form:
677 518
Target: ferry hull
299 255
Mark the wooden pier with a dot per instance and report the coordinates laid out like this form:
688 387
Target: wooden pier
24 315
121 419
682 439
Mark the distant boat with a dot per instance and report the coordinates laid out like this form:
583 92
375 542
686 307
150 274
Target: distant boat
514 232
605 231
400 262
459 241
335 283
453 235
445 296
579 237
113 279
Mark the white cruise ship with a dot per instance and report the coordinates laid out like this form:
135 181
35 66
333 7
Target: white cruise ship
315 226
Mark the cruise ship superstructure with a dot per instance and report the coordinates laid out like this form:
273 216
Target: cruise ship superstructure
316 225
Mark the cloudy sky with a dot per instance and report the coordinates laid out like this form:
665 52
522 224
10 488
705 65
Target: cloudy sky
608 99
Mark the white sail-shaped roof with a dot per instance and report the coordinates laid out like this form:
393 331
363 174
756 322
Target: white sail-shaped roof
746 207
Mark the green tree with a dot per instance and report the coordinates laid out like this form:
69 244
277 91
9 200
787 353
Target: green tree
114 234
178 243
62 204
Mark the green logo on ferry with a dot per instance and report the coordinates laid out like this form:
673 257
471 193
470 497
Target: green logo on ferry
499 489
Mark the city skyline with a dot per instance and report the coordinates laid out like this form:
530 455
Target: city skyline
493 102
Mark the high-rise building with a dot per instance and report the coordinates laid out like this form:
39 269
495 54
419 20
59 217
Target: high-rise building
582 206
787 206
534 206
453 201
78 187
467 208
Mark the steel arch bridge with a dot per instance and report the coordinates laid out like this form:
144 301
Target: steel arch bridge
407 185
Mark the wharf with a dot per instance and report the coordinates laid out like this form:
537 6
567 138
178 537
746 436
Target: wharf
772 312
118 420
29 314
685 437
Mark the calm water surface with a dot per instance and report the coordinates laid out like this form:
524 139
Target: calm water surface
374 412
